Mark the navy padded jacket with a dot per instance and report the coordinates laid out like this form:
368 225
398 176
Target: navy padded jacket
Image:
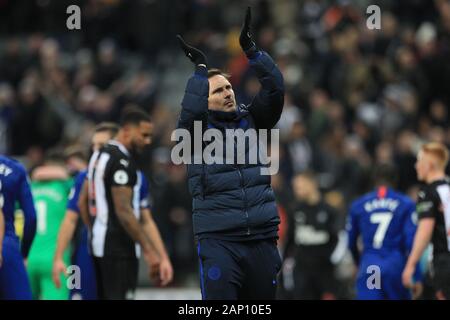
234 201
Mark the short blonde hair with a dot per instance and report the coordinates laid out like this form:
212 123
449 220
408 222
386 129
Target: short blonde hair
438 150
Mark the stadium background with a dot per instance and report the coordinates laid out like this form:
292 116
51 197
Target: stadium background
355 97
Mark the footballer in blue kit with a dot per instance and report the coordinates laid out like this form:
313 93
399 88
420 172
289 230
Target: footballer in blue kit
88 289
15 188
386 221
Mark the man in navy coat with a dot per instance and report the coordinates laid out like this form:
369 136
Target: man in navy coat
235 215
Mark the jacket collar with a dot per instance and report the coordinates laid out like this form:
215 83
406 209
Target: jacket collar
222 116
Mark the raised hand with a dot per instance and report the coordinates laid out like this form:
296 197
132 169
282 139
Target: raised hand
195 55
245 38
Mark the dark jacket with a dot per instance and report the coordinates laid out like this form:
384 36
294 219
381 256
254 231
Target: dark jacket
234 201
312 234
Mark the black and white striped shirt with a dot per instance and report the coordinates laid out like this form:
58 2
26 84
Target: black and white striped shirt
434 202
111 166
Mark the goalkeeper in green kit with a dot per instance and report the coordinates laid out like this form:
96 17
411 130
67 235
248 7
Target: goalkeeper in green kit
50 188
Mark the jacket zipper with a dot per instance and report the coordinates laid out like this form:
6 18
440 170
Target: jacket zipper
203 181
245 198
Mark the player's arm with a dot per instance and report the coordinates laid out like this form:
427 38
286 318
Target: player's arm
409 232
352 228
426 211
409 228
2 234
154 237
65 235
29 212
152 232
336 232
421 240
83 205
290 235
122 199
267 105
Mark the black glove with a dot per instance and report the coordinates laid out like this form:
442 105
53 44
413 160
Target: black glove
195 55
245 39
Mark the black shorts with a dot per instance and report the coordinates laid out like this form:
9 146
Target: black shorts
116 278
441 275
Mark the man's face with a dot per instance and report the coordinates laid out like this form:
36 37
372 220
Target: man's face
423 165
99 139
303 187
141 136
221 94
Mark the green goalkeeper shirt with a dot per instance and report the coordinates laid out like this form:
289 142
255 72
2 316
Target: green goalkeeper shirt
50 200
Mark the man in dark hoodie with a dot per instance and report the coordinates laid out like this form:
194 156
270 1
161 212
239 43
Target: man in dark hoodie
235 216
